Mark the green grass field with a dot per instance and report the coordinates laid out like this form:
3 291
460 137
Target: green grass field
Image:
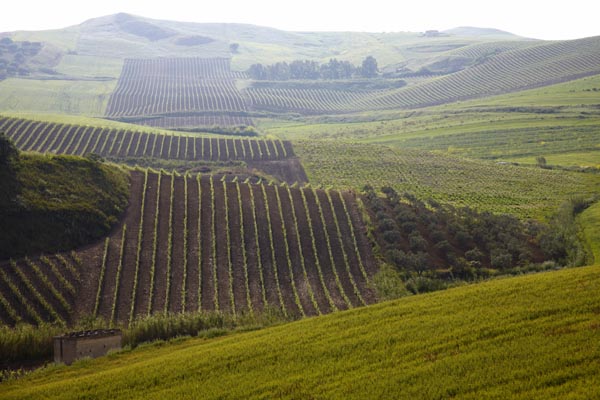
529 337
557 122
529 192
55 96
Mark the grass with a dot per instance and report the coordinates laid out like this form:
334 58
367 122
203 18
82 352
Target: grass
528 337
528 192
584 159
63 202
589 220
55 96
556 121
90 66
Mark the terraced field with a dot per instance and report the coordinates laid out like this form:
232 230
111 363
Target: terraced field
175 90
43 137
192 243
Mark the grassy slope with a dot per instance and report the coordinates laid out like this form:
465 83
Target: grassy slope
64 202
531 337
590 223
485 185
553 121
55 96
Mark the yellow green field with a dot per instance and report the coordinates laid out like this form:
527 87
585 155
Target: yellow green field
529 337
589 221
55 96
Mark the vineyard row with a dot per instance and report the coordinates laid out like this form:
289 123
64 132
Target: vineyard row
193 243
45 137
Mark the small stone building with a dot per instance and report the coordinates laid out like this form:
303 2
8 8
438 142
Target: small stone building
75 345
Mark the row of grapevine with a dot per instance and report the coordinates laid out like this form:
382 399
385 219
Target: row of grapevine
206 243
195 120
489 186
38 289
45 137
172 87
508 66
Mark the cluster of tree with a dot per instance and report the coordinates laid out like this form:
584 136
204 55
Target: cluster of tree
306 69
14 56
431 244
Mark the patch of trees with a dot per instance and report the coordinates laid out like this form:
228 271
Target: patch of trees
14 57
433 245
306 69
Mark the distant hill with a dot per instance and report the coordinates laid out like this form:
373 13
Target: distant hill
184 75
474 31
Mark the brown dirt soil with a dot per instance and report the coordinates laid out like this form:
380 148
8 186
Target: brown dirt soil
280 255
336 249
191 283
208 287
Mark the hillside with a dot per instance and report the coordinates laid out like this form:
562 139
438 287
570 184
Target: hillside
203 243
558 122
145 146
116 66
56 203
526 192
529 337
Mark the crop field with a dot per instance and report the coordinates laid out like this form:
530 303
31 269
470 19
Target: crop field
309 100
526 192
38 290
203 243
39 136
527 337
176 87
507 71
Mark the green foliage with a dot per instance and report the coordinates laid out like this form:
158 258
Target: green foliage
561 240
388 283
486 186
64 202
508 338
432 244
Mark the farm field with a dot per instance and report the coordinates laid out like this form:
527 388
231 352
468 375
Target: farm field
540 65
527 337
526 192
175 89
84 97
203 243
64 138
555 121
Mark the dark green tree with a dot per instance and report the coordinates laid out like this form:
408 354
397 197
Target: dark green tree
369 67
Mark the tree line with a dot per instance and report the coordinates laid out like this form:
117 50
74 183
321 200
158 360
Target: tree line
306 69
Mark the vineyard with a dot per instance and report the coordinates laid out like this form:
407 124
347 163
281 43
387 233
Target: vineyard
192 243
44 137
484 185
507 71
175 90
39 290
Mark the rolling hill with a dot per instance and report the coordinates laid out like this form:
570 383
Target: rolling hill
529 337
99 61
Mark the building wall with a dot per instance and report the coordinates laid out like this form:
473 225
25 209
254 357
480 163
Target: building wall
76 348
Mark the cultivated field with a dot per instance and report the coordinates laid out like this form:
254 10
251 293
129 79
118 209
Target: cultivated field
196 243
526 192
528 337
43 137
178 88
508 71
